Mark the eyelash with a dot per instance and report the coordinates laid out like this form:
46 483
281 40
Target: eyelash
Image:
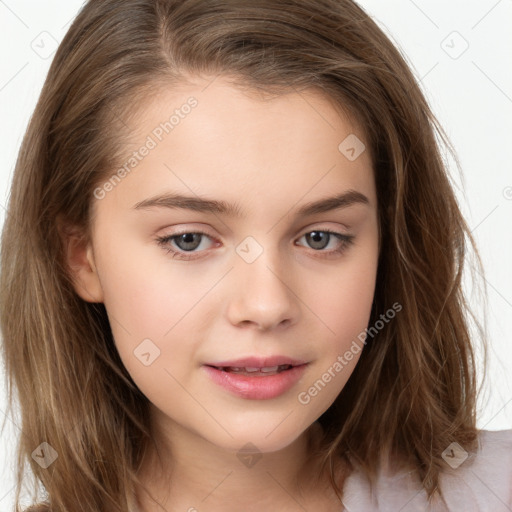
164 242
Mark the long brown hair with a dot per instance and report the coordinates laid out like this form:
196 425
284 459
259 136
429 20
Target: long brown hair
414 388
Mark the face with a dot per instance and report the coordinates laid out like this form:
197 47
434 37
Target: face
236 256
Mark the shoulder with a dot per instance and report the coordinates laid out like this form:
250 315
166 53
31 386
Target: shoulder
493 439
483 479
480 481
493 455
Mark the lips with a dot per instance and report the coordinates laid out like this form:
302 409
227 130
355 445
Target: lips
257 378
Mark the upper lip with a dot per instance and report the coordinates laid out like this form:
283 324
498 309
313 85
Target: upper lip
259 362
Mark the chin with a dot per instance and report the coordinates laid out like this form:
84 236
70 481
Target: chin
266 438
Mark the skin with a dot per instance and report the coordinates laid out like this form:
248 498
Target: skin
270 156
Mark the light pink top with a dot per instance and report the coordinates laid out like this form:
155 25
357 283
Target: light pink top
481 483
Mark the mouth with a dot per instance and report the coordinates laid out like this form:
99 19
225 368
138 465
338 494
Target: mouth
255 381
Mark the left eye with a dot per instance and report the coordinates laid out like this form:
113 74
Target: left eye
189 242
320 239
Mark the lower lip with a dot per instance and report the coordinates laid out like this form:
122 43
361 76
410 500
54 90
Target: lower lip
257 387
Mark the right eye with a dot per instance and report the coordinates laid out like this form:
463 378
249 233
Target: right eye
186 242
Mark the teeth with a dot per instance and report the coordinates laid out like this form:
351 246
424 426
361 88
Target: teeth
250 369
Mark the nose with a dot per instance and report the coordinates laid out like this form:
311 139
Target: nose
263 296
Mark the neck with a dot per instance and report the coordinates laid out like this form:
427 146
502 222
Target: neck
183 471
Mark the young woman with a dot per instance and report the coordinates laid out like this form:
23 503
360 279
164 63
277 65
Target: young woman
231 271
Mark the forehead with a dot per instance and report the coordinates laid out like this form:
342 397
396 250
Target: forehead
211 137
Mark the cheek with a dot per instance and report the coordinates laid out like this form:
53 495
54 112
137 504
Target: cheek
348 306
146 293
151 308
156 330
347 297
345 306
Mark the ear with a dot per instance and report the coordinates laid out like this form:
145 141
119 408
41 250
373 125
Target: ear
81 263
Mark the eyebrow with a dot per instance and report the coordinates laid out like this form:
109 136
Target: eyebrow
199 204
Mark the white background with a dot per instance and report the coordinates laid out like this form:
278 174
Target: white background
470 92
